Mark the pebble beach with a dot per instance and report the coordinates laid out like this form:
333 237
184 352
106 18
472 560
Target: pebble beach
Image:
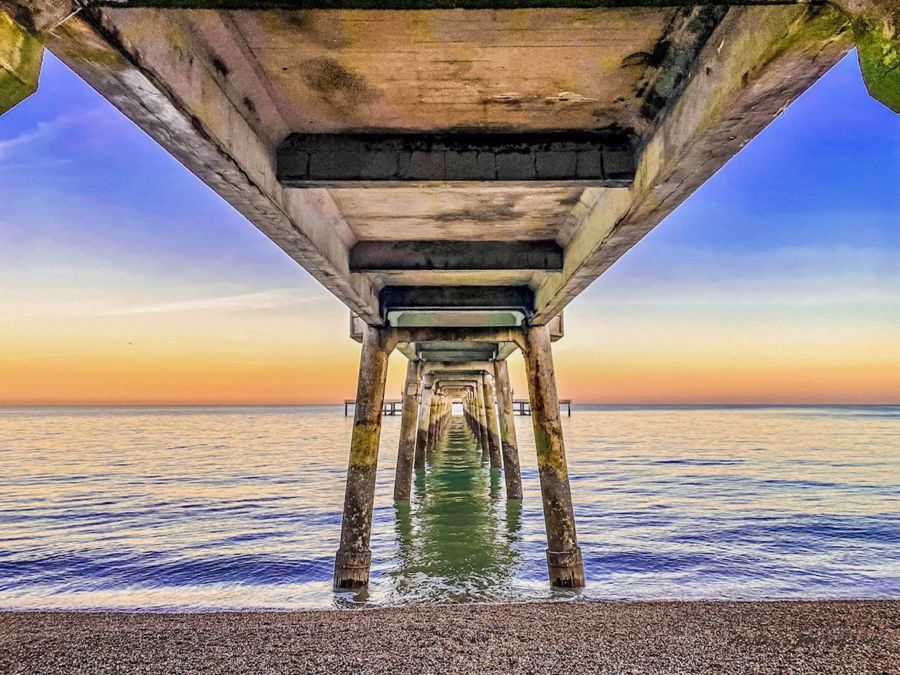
579 637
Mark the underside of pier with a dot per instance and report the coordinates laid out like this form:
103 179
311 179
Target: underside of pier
454 171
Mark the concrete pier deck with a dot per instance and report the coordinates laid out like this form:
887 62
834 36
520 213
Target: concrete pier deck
651 637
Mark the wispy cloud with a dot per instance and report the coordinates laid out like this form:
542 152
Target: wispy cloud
41 131
262 300
271 299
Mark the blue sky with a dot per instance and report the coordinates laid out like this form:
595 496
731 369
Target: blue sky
788 255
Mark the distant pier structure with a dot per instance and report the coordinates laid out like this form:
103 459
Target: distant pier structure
454 171
520 406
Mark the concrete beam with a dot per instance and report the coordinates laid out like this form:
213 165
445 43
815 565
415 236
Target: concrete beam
178 97
597 158
876 31
435 356
21 53
755 62
391 256
39 17
426 4
458 369
423 334
456 297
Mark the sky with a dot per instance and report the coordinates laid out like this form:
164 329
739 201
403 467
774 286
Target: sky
125 280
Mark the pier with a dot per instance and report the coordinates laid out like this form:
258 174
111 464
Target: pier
455 172
520 406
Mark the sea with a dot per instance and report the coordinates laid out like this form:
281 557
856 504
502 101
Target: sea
233 508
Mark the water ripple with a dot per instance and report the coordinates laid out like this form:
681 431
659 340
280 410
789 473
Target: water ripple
240 507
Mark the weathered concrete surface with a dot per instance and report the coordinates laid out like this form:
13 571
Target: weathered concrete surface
876 31
386 256
690 85
511 469
424 422
563 554
481 413
490 409
153 68
548 157
21 53
406 449
753 64
353 559
608 637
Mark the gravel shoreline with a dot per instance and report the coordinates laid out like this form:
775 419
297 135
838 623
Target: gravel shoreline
582 637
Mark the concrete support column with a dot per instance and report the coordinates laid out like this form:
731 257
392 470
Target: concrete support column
21 53
482 419
424 423
470 415
445 415
406 449
353 560
491 418
433 419
563 555
510 449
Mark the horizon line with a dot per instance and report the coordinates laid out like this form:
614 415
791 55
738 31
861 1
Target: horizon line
341 403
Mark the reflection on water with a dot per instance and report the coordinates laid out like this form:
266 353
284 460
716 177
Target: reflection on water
240 507
453 533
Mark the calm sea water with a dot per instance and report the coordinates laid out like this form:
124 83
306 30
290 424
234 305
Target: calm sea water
203 508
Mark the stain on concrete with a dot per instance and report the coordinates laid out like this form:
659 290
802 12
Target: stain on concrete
220 66
336 83
319 29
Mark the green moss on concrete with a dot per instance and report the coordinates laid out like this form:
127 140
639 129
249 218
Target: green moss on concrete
818 26
878 47
364 444
548 452
20 62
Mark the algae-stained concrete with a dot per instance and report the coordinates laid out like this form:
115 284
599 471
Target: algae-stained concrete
686 84
877 35
21 53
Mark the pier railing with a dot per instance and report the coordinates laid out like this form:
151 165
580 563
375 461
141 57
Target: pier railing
521 406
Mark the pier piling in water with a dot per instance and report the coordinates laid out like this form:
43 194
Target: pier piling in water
490 409
353 559
564 560
424 417
407 446
483 389
482 419
510 450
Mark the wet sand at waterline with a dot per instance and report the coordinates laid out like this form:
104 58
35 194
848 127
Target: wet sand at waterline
580 637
